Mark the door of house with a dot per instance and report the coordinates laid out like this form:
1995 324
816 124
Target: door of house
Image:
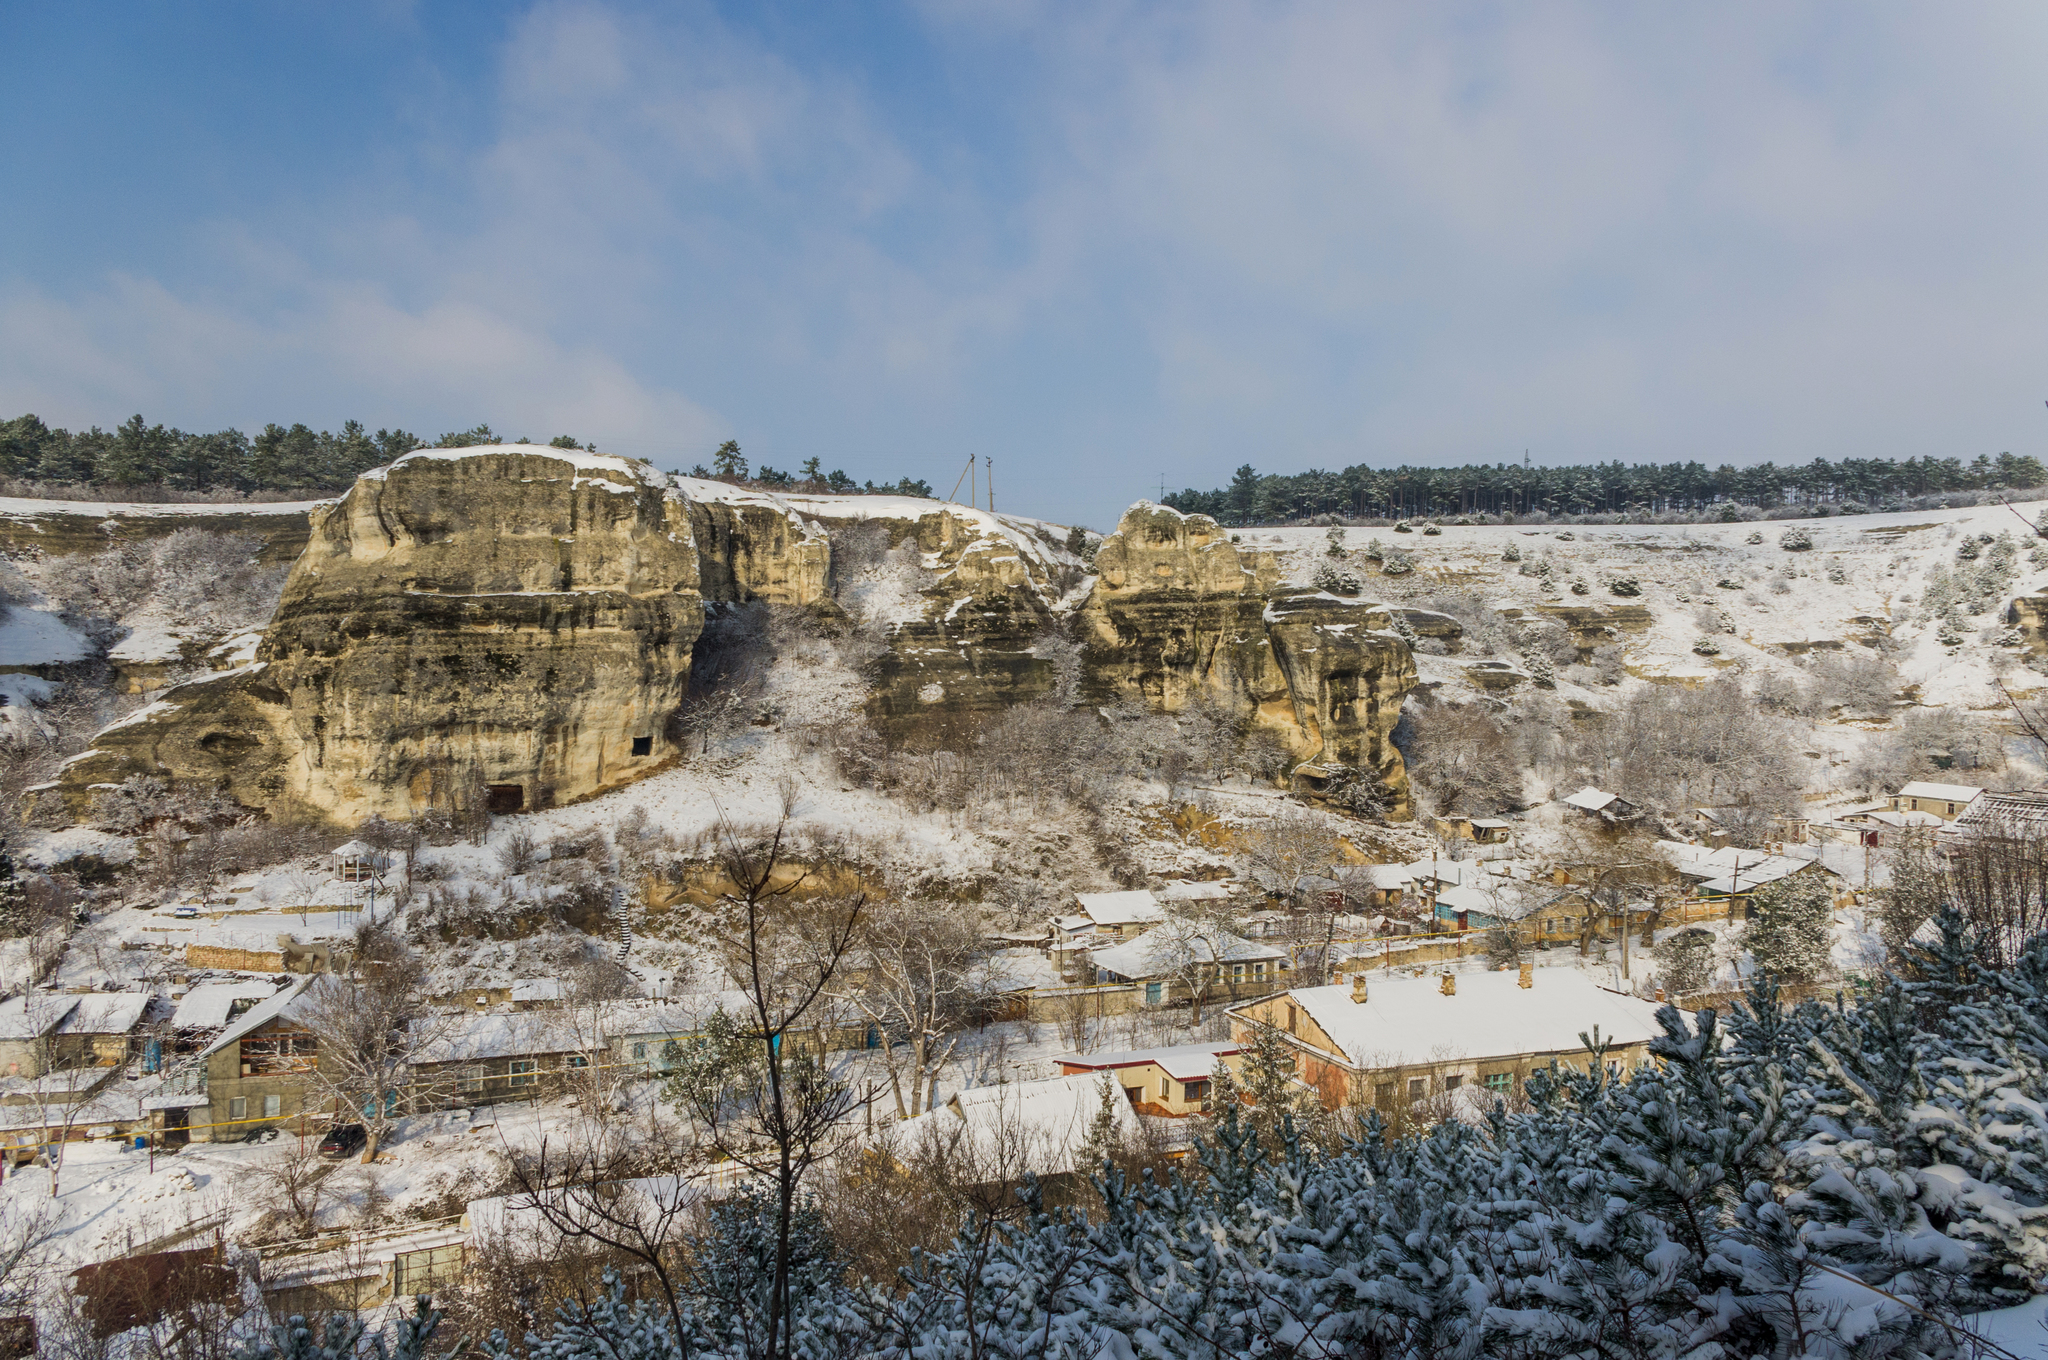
1155 992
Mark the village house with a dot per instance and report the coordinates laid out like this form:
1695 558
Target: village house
470 1059
252 1076
1718 826
2018 814
1482 830
1727 878
1176 1081
1459 907
1007 1130
1946 801
1877 825
1163 960
28 1031
103 1029
1608 807
1389 1041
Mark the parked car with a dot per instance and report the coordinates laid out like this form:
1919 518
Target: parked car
343 1139
184 910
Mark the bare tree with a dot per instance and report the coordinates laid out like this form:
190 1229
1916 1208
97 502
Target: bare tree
1611 870
368 1027
1290 846
788 957
916 979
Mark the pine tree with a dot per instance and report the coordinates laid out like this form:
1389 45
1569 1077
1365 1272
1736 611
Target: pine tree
14 920
1790 933
728 461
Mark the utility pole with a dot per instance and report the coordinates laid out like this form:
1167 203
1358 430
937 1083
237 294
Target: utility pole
991 486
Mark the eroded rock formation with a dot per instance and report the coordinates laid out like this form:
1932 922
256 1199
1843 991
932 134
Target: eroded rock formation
521 620
1179 614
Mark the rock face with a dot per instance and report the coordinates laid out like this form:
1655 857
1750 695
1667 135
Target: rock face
514 626
1180 615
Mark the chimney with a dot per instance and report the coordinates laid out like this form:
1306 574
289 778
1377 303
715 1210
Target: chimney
1358 987
1528 976
1450 984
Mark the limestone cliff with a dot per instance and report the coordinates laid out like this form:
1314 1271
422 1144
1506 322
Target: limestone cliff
513 618
1179 613
516 624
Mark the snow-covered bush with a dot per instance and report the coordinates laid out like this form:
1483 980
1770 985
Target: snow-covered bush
1579 586
1336 580
1403 527
1397 564
1540 669
1511 553
1625 585
1837 576
1704 645
1334 541
1432 527
2011 637
1968 550
1790 928
1795 540
1375 551
1567 536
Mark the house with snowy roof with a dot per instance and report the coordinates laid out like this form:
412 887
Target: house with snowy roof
1946 801
1009 1130
1608 807
28 1031
2015 814
1392 1040
1164 958
1732 874
1176 1081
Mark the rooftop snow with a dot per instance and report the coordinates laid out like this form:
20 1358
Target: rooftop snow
1120 908
1042 1124
1162 950
1948 793
208 1006
1407 1020
106 1013
1182 1062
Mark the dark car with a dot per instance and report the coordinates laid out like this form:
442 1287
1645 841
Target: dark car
343 1139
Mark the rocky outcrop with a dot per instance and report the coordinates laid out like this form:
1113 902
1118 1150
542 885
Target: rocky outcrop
511 624
1179 614
514 626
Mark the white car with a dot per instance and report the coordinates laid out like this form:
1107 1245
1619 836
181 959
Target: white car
184 909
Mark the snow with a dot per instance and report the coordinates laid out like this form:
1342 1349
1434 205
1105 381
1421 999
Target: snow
1158 952
1953 793
151 637
279 1005
34 1015
1043 1122
208 1005
1120 908
1407 1020
634 470
107 1013
37 637
23 507
472 1038
1182 1062
44 849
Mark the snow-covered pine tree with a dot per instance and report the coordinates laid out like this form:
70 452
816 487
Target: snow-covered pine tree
1789 933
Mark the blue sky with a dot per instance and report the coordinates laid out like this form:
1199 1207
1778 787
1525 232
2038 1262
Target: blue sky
1100 242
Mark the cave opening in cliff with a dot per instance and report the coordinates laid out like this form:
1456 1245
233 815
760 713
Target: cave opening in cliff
505 797
643 746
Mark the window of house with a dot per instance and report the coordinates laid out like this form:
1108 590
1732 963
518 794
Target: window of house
1453 1083
1383 1094
522 1071
472 1081
639 1052
238 1107
1258 970
1418 1087
1134 1094
1237 972
1499 1083
643 746
1194 1090
1290 1019
273 1106
578 1060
